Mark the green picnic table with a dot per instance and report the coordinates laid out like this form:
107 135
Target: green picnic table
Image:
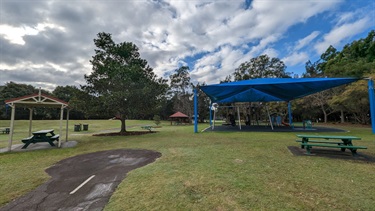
342 142
147 127
41 136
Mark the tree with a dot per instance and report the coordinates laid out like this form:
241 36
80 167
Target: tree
261 67
123 82
14 90
312 70
203 103
180 84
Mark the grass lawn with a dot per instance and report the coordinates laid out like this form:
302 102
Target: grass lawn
206 171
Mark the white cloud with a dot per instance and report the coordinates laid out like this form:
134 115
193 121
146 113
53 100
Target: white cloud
167 33
295 59
339 34
306 40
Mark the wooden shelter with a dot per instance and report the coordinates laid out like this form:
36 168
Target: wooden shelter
179 118
31 102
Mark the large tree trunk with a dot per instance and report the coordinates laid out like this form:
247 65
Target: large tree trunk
123 125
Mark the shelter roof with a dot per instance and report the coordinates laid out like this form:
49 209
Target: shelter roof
270 89
36 100
179 115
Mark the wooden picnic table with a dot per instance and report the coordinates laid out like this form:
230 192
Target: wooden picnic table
345 142
41 136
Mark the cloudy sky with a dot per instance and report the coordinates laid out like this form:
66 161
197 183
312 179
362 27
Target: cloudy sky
48 43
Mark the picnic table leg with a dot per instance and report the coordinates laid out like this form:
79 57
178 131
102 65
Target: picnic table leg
51 143
347 142
304 140
308 151
27 144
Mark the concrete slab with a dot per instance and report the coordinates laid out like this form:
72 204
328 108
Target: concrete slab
83 182
38 146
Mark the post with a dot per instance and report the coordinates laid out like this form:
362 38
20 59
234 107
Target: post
269 117
372 103
239 118
210 110
195 112
30 120
61 118
290 114
13 106
67 125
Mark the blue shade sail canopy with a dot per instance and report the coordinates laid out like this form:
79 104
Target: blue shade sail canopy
270 89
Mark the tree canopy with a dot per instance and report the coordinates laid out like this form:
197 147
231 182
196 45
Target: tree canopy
261 67
123 82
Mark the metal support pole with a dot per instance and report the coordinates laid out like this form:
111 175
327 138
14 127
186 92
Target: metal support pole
210 114
290 114
372 103
213 125
239 118
195 112
269 117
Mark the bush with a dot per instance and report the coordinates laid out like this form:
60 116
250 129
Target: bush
156 119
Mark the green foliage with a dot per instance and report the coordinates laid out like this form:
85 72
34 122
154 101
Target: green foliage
121 81
203 103
180 85
156 119
261 67
14 90
356 59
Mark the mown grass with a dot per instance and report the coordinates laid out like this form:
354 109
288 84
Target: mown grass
207 171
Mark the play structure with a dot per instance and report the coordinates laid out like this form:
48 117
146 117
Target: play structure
253 116
276 90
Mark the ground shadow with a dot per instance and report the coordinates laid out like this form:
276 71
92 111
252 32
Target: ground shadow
331 153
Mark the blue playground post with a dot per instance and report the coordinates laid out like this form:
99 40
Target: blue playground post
372 103
195 111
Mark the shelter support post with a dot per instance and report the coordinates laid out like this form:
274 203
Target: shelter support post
372 103
290 114
61 118
195 111
30 120
239 118
213 125
210 110
269 117
11 127
67 125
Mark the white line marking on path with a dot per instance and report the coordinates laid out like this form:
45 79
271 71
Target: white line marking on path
80 186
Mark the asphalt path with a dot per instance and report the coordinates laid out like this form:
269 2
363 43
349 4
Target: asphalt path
83 182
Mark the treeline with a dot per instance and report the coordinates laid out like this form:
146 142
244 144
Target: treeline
122 85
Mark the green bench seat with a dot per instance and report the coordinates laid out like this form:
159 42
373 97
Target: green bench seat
24 140
353 149
55 137
322 141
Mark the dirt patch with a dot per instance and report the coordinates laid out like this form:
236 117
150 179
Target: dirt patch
129 133
331 153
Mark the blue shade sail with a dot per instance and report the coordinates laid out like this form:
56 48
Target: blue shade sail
270 89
